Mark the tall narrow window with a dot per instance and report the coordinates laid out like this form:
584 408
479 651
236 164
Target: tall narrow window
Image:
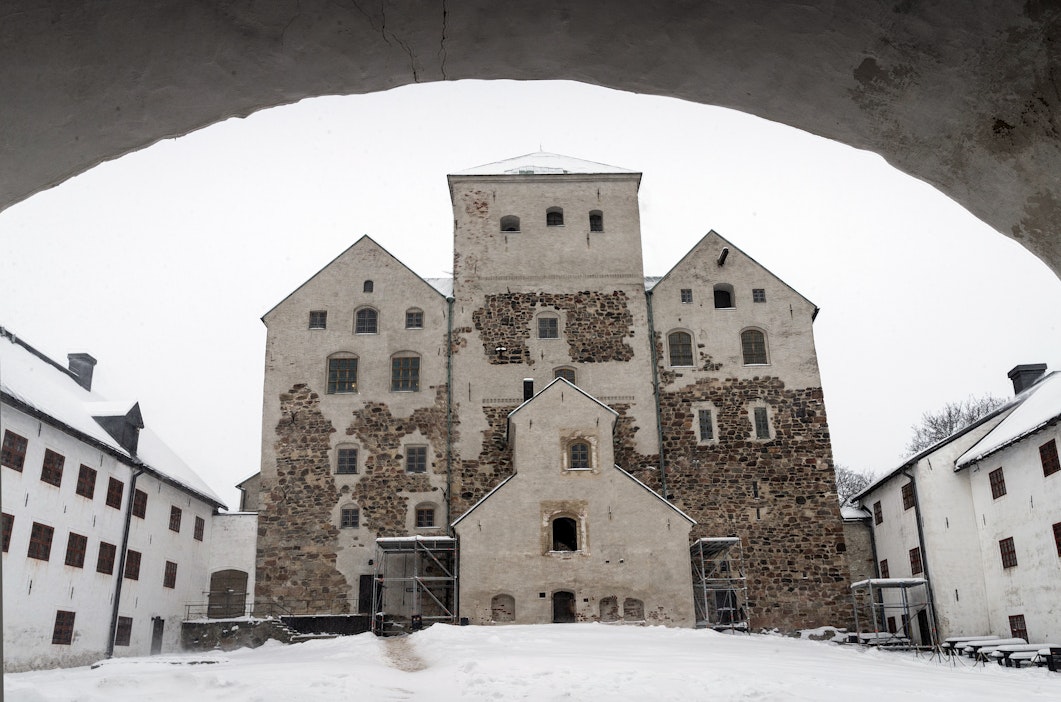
346 460
680 346
998 483
9 525
76 545
762 423
916 566
596 221
414 319
908 495
1017 628
124 633
554 217
548 327
132 564
753 346
169 578
63 631
174 518
1057 535
884 569
578 453
115 488
367 287
52 470
707 427
878 513
318 319
139 504
200 528
1008 552
723 296
415 459
342 375
40 542
365 321
1048 456
349 517
510 223
686 295
13 453
405 373
86 482
105 559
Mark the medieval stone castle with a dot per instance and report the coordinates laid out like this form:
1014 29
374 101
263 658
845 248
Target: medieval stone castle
554 431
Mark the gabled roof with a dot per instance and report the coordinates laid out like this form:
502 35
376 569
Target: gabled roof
542 163
34 383
569 384
1038 406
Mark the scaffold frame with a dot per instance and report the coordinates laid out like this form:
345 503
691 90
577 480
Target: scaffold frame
908 608
720 588
424 567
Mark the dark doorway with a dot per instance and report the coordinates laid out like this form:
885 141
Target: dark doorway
563 607
923 625
228 594
158 625
565 534
364 594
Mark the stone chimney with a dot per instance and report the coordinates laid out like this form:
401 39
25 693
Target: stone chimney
1025 376
82 365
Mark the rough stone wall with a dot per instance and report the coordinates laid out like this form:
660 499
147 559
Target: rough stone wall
297 539
596 325
494 464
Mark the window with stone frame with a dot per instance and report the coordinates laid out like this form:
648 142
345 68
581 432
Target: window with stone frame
414 319
884 568
554 217
908 495
998 483
200 528
578 456
425 516
318 319
105 558
13 453
1018 629
916 566
1008 551
9 526
76 545
52 469
680 348
115 488
596 221
86 482
761 417
349 517
878 513
753 347
175 518
564 534
723 293
415 459
1048 456
169 578
366 321
123 634
567 374
132 564
346 460
758 295
40 541
706 422
63 631
342 375
139 503
405 374
548 327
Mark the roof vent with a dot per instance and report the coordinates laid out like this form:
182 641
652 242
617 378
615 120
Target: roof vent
1025 376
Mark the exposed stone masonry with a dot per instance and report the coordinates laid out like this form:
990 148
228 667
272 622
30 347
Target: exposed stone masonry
477 477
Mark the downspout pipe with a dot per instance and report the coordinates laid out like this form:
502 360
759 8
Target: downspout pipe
121 562
449 415
655 395
924 552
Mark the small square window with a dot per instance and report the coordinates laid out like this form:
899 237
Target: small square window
415 459
1048 456
174 518
86 482
758 295
707 427
52 470
76 545
878 513
908 495
13 453
414 319
115 488
139 504
1017 627
63 631
124 633
687 295
1008 551
40 542
318 319
762 423
349 518
105 559
884 569
9 525
200 528
548 328
169 579
132 564
346 461
916 567
998 483
425 517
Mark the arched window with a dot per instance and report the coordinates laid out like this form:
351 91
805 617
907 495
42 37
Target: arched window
414 318
567 374
723 296
753 346
366 321
680 345
609 609
342 373
554 217
596 221
633 610
503 608
578 455
425 516
367 287
405 373
349 517
565 534
510 223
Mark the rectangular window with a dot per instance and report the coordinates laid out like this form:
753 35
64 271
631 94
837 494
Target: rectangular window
140 504
9 525
132 564
405 373
762 424
52 470
415 459
884 569
548 328
1009 552
1017 628
998 483
347 461
681 348
318 319
878 513
707 427
758 295
342 375
174 518
1057 535
414 319
200 528
170 578
1048 455
908 495
916 567
687 295
115 488
86 482
124 633
63 631
425 517
13 453
40 542
76 545
105 559
349 518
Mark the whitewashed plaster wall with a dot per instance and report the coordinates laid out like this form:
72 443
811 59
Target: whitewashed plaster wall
233 540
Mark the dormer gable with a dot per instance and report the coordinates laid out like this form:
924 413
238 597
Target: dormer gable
122 420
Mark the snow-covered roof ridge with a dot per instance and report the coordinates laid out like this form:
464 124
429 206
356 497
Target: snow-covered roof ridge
542 163
41 385
1037 406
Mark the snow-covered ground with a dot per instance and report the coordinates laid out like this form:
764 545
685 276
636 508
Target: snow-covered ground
550 662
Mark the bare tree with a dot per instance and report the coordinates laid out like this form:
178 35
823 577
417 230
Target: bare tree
936 426
850 482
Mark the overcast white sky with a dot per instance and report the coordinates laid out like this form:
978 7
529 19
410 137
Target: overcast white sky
161 264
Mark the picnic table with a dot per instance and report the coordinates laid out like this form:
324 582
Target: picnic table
954 641
980 649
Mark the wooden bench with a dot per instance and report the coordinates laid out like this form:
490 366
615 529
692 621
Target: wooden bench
957 642
973 648
1012 655
1050 656
882 638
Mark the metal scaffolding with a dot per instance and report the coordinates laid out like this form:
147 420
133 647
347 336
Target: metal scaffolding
895 605
414 584
720 589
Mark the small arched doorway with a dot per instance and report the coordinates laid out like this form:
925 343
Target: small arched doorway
563 607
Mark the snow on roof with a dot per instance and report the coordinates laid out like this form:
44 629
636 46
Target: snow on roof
888 582
37 382
848 512
442 285
1037 406
541 163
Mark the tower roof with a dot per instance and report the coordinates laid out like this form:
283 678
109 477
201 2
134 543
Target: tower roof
541 163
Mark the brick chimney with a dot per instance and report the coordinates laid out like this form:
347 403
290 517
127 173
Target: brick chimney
1026 375
82 365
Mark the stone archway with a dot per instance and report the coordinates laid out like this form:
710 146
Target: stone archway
965 98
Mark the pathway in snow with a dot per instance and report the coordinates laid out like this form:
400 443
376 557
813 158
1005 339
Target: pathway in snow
401 654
